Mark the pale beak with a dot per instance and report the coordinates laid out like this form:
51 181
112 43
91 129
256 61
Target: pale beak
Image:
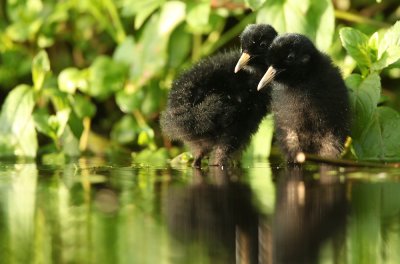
243 60
267 78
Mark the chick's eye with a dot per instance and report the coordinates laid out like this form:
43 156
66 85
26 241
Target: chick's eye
290 57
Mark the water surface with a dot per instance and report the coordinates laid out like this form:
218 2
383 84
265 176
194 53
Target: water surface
92 211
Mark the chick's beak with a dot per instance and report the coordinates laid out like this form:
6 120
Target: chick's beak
267 78
243 60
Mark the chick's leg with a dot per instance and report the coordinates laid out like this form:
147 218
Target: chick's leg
199 151
222 156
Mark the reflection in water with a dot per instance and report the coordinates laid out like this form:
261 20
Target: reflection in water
218 213
105 214
308 213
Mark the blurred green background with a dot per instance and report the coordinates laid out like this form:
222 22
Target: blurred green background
92 76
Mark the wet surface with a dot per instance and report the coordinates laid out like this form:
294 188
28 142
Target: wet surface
92 211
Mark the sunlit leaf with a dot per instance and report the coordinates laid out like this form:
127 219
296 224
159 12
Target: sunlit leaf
129 101
21 31
389 48
260 146
40 68
197 15
146 136
41 118
69 143
151 48
70 79
356 44
141 10
158 157
17 122
167 22
125 52
314 18
255 4
105 77
62 120
52 126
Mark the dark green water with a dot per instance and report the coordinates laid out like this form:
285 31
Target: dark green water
96 212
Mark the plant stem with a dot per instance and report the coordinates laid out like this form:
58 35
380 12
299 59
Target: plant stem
85 135
139 118
351 17
303 157
196 51
120 32
229 35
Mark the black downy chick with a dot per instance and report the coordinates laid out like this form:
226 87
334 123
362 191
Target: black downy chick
309 98
212 109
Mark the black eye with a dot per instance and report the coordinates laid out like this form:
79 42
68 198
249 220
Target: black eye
290 57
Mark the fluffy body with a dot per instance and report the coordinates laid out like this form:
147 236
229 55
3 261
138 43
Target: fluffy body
309 99
211 108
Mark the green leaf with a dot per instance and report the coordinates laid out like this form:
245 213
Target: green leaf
141 10
179 47
17 123
314 18
197 15
129 101
168 23
61 119
21 31
41 118
146 136
260 146
83 107
69 143
150 104
151 48
381 139
40 68
125 130
255 4
52 126
105 77
356 44
151 157
75 124
70 79
389 48
125 52
364 97
59 99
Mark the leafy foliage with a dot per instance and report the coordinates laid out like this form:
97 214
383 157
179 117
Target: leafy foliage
76 73
313 18
375 128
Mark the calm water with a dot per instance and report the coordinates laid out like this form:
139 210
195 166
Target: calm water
92 211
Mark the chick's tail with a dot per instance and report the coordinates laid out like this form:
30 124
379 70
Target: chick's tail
187 122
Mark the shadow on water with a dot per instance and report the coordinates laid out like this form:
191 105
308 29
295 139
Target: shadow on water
308 213
80 213
221 215
217 212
